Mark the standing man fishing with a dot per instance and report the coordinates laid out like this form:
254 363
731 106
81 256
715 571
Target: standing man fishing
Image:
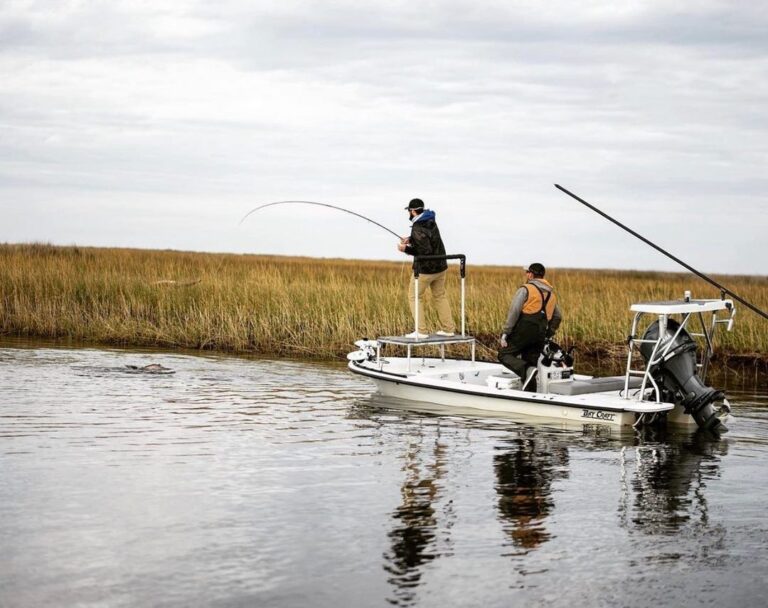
533 317
425 240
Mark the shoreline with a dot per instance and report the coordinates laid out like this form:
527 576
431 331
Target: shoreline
599 359
315 309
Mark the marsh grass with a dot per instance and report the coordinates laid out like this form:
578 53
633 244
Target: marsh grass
313 308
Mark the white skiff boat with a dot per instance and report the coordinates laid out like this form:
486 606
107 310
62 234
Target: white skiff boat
662 382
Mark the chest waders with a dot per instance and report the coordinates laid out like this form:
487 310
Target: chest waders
525 342
531 328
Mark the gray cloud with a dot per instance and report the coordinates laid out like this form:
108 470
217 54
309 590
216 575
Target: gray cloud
203 111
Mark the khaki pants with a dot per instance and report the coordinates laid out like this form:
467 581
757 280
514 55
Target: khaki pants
436 282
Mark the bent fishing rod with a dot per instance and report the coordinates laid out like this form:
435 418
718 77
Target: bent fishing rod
367 219
701 275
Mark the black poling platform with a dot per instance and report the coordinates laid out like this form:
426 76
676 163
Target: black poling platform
593 385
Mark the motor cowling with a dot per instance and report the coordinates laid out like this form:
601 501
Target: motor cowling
677 373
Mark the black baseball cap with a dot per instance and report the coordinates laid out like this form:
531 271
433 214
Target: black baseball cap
536 269
415 203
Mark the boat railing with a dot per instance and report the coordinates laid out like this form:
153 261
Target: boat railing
663 344
432 340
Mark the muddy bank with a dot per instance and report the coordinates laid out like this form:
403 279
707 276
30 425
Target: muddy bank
744 370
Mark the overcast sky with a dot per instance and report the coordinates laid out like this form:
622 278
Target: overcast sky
159 124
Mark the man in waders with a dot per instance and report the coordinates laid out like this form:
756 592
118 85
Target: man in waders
532 318
425 240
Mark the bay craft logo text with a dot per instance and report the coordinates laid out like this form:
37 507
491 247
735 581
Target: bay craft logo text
597 415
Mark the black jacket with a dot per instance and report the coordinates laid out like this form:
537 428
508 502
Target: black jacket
425 240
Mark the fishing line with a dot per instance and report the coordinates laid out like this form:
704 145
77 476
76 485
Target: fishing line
367 219
701 275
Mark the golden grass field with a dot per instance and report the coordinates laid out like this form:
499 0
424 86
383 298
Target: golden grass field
313 308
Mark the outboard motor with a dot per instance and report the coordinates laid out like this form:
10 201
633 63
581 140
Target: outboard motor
677 373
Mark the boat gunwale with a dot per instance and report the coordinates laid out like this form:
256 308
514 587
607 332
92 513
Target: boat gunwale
357 368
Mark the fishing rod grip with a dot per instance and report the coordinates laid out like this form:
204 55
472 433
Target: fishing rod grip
454 256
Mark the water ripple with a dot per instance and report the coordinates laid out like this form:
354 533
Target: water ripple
251 482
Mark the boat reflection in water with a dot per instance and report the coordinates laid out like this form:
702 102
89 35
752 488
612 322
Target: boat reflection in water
663 480
525 470
420 533
457 469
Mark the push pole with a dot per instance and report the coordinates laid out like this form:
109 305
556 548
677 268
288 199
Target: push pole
701 275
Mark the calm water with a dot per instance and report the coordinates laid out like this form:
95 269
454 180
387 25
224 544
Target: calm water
268 483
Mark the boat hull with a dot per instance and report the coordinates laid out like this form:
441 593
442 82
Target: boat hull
435 387
503 406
